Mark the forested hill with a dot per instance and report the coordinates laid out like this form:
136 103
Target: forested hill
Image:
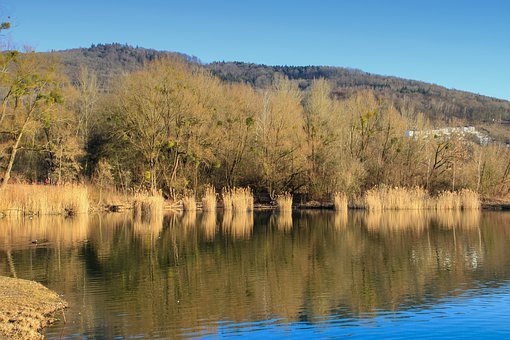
436 101
110 60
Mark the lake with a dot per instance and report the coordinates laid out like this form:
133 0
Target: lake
305 274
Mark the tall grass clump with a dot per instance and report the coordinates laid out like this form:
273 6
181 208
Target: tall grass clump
373 200
226 196
384 198
447 200
283 218
242 199
237 199
209 199
147 205
340 201
188 201
470 200
284 202
27 199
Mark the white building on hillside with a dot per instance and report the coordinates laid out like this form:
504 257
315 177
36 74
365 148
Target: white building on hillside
465 131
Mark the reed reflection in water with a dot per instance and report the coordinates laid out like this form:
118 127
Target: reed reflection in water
237 224
208 224
282 220
18 233
174 277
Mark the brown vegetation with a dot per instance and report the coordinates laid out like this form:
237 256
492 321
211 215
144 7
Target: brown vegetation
227 199
146 206
237 199
470 200
189 202
209 199
384 198
284 202
340 201
25 199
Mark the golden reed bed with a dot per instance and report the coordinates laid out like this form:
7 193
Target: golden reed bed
27 199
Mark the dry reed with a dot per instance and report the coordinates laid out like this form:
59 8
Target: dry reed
284 202
384 198
26 199
237 199
209 199
226 195
188 202
470 200
102 199
148 206
340 201
447 200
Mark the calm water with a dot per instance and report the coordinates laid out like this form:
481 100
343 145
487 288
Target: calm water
317 274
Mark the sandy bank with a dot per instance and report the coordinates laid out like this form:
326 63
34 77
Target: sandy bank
26 307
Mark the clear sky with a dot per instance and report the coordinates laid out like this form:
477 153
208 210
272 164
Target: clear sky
457 44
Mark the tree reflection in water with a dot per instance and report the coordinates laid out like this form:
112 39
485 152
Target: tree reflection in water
181 274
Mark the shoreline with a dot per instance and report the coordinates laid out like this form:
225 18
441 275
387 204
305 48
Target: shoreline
26 308
114 208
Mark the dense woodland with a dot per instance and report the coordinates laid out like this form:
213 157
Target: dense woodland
126 118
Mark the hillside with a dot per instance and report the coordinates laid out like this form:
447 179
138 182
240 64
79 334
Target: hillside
436 101
110 60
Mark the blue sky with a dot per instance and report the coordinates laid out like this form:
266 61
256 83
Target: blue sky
457 44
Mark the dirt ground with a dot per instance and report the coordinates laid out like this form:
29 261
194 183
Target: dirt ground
26 307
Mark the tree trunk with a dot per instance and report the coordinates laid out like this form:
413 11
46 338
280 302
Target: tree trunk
7 174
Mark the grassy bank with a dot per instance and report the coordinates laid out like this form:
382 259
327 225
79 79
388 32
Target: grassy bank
26 308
